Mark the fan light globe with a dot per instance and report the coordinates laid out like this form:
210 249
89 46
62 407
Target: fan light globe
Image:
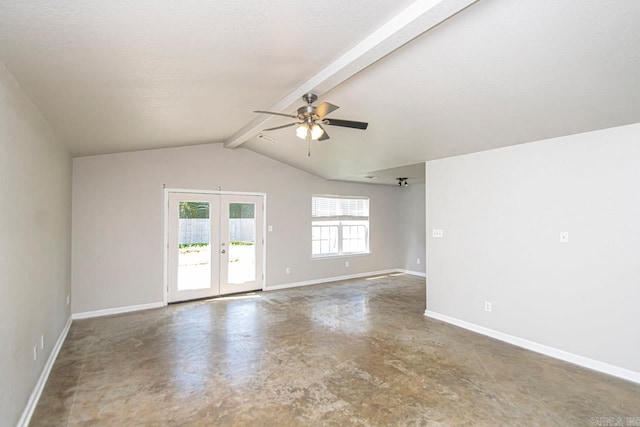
301 132
316 132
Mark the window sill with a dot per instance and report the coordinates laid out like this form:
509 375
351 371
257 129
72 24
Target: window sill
332 256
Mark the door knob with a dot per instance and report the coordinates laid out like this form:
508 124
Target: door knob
223 251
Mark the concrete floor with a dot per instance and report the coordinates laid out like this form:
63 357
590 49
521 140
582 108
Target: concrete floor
351 353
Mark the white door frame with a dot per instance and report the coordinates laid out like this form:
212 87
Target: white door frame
165 204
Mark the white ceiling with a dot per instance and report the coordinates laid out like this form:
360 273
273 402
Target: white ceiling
120 76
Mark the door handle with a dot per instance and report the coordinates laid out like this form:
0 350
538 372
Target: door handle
223 251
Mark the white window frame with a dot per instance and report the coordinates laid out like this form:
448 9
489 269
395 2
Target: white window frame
341 218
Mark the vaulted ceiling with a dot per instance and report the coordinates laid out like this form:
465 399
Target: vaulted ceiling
432 78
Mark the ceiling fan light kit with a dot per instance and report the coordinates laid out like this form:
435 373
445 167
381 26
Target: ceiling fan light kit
311 118
303 131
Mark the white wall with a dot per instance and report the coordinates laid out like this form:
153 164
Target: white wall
502 212
411 218
35 189
118 219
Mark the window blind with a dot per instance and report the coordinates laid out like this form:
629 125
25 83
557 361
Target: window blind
339 207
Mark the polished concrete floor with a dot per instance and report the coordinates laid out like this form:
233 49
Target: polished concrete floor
357 353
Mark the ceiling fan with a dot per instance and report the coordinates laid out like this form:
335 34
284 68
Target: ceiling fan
311 119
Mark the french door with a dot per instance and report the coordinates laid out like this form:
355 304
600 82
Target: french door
215 244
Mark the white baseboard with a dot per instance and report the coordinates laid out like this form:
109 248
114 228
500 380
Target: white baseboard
44 376
576 359
330 279
117 310
413 273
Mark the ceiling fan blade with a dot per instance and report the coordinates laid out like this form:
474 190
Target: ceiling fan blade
276 114
325 108
324 136
346 123
281 127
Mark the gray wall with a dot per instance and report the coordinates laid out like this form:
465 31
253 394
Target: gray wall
502 212
35 189
411 218
118 219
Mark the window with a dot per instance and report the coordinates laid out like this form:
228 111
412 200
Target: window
339 225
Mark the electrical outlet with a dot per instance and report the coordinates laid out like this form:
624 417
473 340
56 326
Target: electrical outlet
270 228
346 264
564 237
487 306
287 270
68 299
437 233
41 341
418 261
35 352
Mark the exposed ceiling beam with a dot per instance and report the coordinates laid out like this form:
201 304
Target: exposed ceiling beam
419 17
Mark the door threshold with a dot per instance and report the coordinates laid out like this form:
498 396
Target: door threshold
236 295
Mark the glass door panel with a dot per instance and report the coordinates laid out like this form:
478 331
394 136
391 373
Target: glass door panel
194 237
194 245
241 233
242 243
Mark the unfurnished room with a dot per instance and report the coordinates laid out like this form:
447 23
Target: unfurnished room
278 213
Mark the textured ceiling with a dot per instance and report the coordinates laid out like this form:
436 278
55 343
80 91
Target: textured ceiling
127 75
121 76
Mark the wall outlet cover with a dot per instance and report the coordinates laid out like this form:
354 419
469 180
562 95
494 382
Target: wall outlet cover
437 233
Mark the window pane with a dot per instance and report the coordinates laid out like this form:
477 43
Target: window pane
354 236
334 240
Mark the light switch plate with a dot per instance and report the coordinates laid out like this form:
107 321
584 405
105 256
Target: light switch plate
564 237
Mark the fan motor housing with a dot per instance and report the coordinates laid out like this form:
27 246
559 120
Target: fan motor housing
306 111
